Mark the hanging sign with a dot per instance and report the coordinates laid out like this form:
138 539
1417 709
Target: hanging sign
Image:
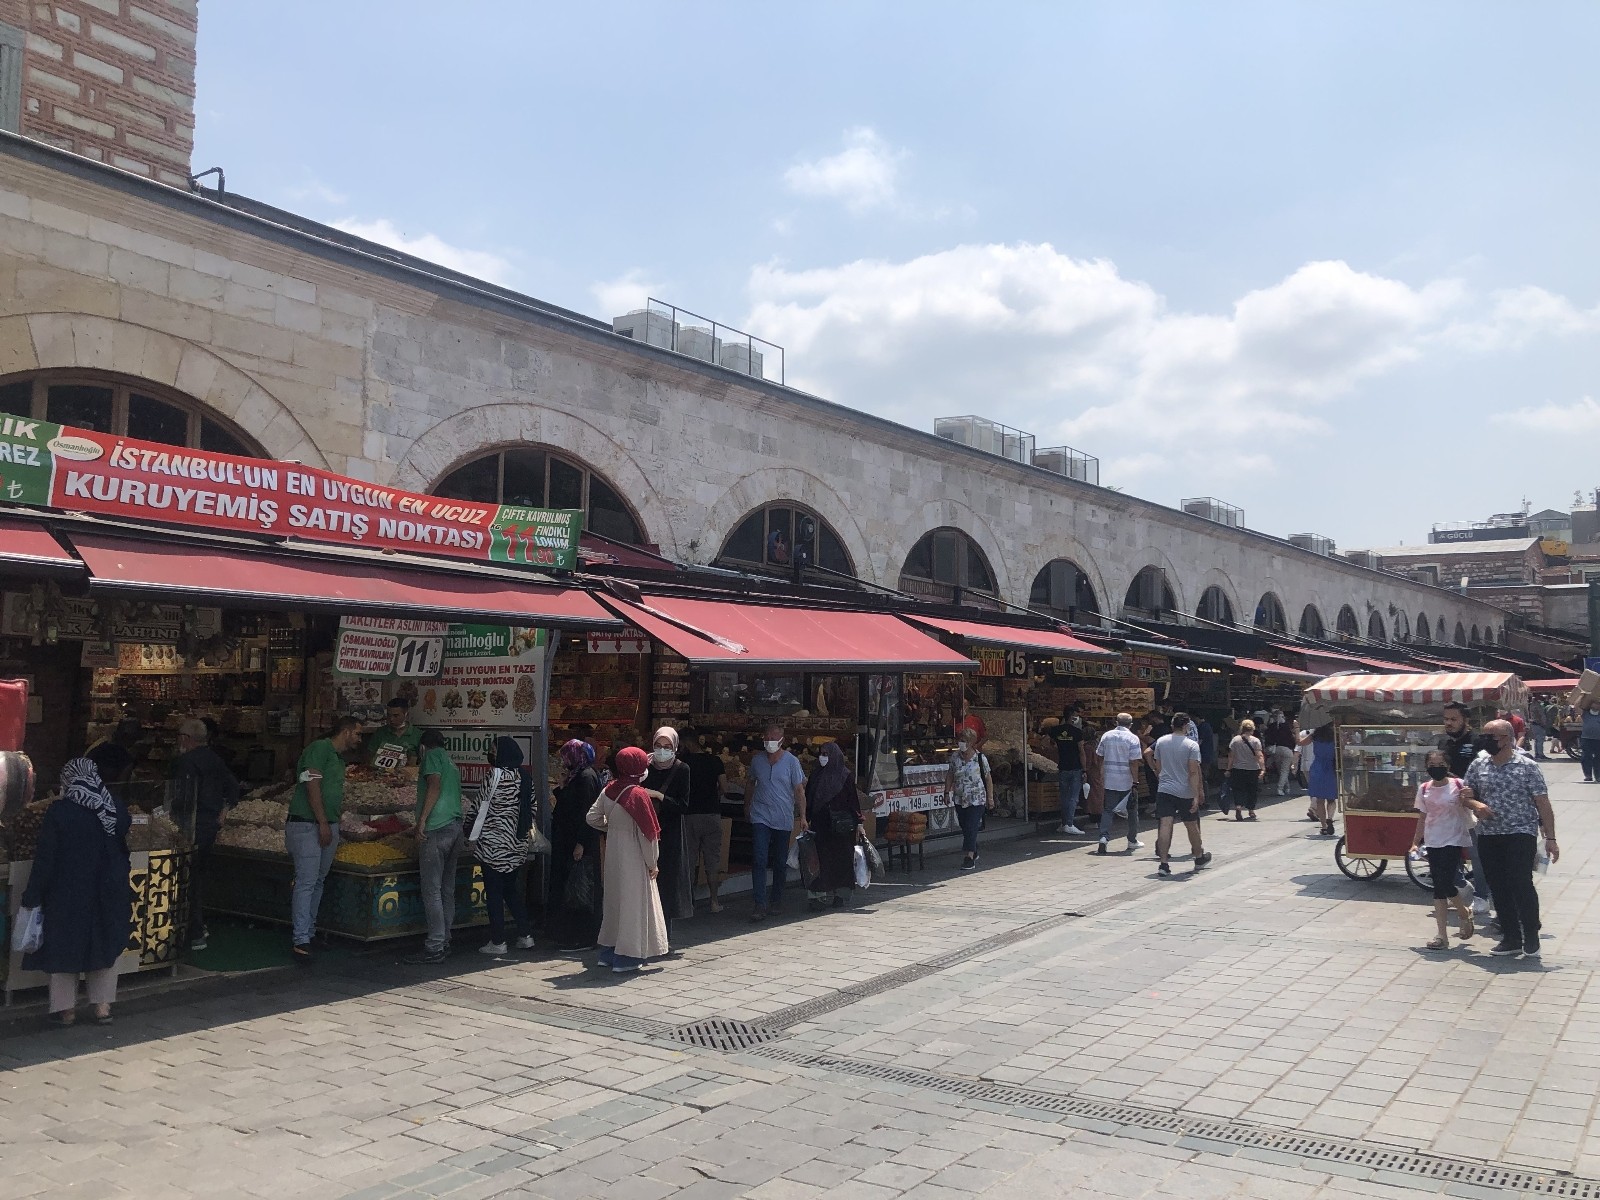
380 647
489 678
626 641
83 471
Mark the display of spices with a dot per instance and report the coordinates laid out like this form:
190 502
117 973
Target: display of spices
369 854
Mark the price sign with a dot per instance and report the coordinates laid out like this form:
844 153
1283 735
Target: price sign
419 657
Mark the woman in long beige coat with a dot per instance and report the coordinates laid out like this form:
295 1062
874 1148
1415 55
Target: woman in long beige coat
633 929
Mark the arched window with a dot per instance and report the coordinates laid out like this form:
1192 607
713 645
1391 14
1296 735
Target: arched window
124 406
1375 630
781 535
1215 606
1150 592
1500 635
1348 626
1474 638
538 478
1461 634
1064 589
1269 614
1442 635
1424 633
1311 625
1402 627
944 561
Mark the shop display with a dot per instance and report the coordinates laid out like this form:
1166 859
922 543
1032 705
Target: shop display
1381 768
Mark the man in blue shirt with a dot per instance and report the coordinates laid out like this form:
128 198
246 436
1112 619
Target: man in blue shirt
774 803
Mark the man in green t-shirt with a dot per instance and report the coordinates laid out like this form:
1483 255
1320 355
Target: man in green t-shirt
439 842
396 742
311 834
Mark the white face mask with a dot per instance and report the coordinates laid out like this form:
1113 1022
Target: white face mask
663 755
824 759
771 745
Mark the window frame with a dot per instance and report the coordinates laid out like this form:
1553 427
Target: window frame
964 545
550 454
122 387
13 50
796 511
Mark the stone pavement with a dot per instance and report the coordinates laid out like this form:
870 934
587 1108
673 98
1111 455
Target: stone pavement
1055 1023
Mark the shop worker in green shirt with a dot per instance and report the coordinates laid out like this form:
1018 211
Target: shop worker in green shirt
397 742
439 842
312 831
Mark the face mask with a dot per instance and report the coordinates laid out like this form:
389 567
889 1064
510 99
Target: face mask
1439 773
1077 722
662 755
1489 744
824 759
771 746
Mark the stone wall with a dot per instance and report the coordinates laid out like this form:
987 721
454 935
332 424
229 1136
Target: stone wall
327 356
111 79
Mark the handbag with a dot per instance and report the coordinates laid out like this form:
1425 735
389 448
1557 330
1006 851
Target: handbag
582 884
874 859
28 934
535 844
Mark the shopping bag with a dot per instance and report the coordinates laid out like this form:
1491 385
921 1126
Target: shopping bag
28 935
874 859
805 847
579 896
794 854
535 844
863 872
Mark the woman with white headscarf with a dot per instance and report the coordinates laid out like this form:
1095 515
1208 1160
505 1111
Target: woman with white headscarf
668 785
79 881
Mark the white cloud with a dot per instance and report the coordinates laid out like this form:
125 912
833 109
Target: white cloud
1072 351
480 264
624 293
862 175
1564 420
1518 315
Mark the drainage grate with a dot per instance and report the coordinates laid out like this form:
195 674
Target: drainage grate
1215 1135
719 1033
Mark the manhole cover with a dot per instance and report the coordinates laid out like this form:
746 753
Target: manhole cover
720 1034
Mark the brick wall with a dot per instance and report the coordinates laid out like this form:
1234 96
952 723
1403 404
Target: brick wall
111 79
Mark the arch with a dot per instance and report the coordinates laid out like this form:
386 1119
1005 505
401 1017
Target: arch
1441 632
1064 589
771 485
1402 625
1269 614
783 534
1348 627
946 563
945 513
542 477
1154 556
1375 629
453 441
80 342
1461 634
1424 631
1151 591
1215 606
1500 635
1060 547
1311 623
1474 638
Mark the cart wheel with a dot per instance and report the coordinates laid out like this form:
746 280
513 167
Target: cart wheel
1361 869
1574 749
1420 873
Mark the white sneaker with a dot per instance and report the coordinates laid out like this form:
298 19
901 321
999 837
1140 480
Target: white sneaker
1135 844
1073 830
492 948
525 943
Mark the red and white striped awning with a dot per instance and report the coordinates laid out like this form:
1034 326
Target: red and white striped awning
1467 687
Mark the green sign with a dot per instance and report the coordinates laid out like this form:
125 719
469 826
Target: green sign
541 537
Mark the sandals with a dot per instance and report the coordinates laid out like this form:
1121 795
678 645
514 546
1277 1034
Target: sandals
1438 943
1467 928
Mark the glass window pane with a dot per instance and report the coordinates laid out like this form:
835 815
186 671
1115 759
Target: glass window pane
477 481
524 479
919 563
17 399
152 420
780 537
566 484
218 440
749 540
83 406
608 516
830 551
946 561
977 569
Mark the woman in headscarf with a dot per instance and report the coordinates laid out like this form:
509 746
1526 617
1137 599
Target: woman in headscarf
633 929
80 881
833 812
668 784
574 846
499 848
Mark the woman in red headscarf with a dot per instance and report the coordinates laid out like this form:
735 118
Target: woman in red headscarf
632 927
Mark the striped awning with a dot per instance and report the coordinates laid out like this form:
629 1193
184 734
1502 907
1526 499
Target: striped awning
1468 687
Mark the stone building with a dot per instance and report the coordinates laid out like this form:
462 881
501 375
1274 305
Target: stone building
195 317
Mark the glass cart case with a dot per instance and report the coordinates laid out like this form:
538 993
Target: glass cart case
1380 769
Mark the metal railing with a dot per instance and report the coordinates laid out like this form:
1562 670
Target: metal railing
694 336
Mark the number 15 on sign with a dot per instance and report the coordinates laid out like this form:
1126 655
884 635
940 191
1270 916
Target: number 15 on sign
419 657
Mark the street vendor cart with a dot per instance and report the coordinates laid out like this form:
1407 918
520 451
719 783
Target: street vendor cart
1384 727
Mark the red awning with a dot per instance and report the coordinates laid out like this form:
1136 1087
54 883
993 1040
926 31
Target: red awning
1551 685
1463 687
1277 670
199 572
1386 668
721 633
1041 640
29 547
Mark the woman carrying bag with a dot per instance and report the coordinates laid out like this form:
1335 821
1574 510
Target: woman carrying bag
492 834
1247 767
969 786
833 812
574 920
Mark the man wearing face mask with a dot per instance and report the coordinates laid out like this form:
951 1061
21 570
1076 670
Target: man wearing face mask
1068 737
1460 747
774 803
667 783
1507 792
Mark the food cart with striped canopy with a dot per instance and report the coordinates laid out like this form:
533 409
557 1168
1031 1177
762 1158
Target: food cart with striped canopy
1385 725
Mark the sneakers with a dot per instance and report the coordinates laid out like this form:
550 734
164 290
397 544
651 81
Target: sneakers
616 970
492 948
1134 844
525 942
199 940
1102 847
1164 870
1529 952
301 951
427 957
969 864
1506 947
758 916
1204 860
1072 829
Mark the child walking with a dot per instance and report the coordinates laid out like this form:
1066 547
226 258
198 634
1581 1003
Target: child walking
1444 828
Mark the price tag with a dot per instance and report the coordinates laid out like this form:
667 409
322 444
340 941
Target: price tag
419 657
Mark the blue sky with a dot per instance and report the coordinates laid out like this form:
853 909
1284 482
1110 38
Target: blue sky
1332 263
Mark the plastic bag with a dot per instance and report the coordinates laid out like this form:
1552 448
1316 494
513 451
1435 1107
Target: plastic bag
535 844
805 849
863 872
581 893
874 859
28 935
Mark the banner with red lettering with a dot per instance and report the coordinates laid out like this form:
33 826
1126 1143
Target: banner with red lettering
79 470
